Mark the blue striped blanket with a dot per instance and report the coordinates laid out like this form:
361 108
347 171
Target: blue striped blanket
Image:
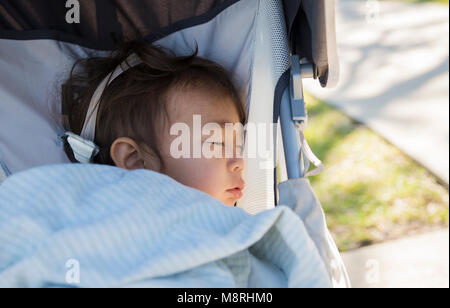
76 225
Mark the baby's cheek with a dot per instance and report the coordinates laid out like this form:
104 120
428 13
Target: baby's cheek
206 175
188 172
209 175
209 178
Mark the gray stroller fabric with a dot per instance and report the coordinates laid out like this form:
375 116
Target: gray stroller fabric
299 196
4 172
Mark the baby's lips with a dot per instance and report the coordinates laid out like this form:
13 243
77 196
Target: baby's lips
236 192
241 185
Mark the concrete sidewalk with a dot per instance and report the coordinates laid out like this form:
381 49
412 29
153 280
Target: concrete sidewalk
395 75
416 262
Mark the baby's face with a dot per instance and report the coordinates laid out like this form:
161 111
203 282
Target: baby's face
219 176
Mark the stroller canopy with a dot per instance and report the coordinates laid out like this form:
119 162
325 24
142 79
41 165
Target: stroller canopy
104 21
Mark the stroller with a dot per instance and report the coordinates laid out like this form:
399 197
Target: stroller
268 45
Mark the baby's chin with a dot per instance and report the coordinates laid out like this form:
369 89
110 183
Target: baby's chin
226 201
231 203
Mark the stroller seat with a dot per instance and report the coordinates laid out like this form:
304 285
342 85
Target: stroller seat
254 39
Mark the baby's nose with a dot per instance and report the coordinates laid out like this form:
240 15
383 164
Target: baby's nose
236 164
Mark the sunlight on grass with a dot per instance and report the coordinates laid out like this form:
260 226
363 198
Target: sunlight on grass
370 190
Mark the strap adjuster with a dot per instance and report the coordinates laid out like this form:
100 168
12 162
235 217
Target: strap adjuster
83 150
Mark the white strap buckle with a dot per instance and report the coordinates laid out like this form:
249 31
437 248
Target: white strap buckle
83 150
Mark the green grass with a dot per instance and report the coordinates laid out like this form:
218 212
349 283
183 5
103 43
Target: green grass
370 190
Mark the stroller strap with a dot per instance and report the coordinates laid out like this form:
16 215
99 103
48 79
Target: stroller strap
310 157
88 131
81 148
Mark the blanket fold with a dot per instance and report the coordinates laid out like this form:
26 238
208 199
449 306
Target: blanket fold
101 226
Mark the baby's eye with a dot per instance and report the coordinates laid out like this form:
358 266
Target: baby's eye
217 143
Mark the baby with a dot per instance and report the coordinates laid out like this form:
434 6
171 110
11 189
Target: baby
138 110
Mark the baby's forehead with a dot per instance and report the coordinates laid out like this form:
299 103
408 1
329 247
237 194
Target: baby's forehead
184 106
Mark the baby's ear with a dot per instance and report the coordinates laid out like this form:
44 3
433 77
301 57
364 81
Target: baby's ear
126 154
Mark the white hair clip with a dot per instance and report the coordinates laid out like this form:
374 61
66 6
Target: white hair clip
83 147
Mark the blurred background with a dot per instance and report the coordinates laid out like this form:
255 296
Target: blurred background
383 135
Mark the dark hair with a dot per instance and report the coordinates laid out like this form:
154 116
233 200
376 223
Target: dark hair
134 104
